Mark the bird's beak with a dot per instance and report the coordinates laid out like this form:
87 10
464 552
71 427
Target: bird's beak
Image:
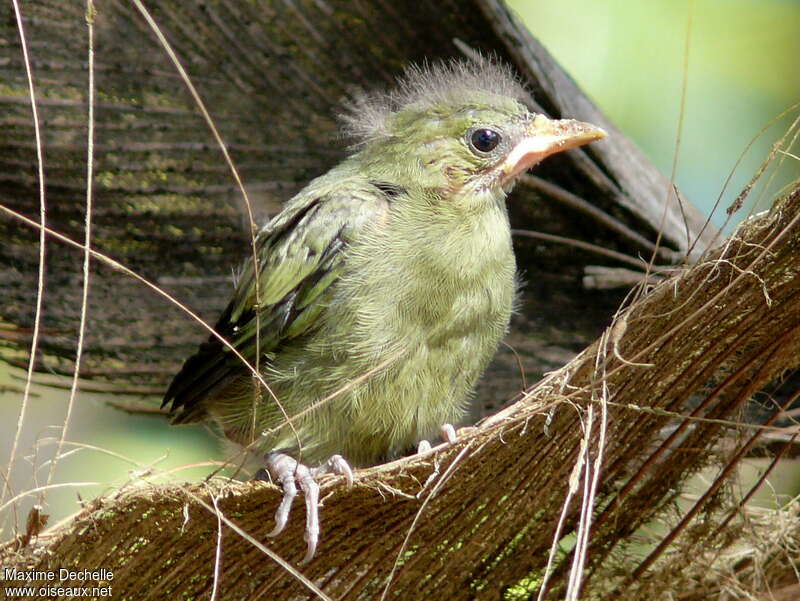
545 137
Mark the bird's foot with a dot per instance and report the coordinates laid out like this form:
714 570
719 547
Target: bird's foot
289 473
448 434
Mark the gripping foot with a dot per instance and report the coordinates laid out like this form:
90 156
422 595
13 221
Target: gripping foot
289 474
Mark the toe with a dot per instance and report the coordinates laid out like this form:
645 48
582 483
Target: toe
310 490
281 468
340 466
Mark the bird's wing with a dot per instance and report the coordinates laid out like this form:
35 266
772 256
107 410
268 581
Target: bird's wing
300 257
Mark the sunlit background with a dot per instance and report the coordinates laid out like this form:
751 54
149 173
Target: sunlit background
740 65
740 62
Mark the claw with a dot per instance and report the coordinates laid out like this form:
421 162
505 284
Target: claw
448 434
338 465
289 473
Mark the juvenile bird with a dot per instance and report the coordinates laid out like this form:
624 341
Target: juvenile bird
383 287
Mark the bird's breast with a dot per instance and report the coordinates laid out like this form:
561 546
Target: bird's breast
424 286
415 320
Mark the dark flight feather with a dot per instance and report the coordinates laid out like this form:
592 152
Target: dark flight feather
299 261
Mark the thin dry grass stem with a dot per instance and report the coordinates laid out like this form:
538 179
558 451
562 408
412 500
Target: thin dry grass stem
352 383
682 113
658 412
791 156
591 469
584 521
520 366
41 268
742 271
726 471
189 466
549 568
672 190
90 447
262 548
576 202
87 242
650 264
616 332
417 516
709 305
116 265
755 487
794 128
38 489
793 131
248 205
218 550
731 173
588 246
240 456
669 441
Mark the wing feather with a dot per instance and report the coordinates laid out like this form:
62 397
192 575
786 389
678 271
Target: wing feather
301 256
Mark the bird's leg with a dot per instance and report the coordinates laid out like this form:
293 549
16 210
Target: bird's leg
448 434
289 472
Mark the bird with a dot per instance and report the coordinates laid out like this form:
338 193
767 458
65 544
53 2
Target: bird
376 297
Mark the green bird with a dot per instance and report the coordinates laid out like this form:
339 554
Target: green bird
383 287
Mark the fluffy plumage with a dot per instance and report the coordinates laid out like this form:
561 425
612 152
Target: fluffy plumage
428 87
397 262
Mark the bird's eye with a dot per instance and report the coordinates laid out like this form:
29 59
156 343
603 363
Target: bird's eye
484 140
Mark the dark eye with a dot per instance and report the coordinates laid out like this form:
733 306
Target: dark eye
485 140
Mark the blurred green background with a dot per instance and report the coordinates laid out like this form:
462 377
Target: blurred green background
743 70
630 58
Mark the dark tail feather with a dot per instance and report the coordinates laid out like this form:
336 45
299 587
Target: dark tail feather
201 374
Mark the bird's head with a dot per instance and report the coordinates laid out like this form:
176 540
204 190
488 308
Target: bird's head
460 130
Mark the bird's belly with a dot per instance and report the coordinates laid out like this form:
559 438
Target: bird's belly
396 358
424 371
406 401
